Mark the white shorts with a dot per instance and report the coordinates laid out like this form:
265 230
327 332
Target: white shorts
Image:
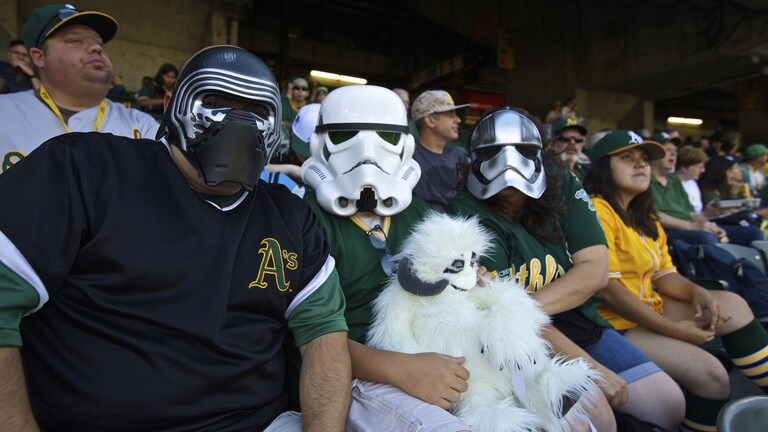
384 407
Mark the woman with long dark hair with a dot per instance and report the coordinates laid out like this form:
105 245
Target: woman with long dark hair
662 313
547 236
152 94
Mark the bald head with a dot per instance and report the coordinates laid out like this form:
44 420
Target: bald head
404 96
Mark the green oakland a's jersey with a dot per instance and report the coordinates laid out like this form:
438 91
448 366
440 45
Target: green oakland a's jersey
358 262
518 253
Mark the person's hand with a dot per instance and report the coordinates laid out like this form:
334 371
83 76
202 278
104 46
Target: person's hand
434 378
24 68
714 229
483 275
691 332
704 302
613 387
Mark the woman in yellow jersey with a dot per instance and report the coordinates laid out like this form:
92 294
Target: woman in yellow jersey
660 312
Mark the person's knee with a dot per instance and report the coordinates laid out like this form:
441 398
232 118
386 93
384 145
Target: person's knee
712 380
737 308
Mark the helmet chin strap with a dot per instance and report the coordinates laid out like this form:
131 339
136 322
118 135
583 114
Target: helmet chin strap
367 201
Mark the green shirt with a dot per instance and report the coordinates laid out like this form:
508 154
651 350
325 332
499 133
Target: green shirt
358 262
672 199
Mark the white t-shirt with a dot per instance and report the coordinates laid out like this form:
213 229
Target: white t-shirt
694 194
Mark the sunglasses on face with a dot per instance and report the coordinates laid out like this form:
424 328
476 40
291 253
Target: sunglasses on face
378 243
300 88
567 139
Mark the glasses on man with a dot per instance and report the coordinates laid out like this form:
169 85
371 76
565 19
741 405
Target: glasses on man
566 139
379 241
300 88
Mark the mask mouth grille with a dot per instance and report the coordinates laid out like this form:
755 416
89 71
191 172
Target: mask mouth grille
216 101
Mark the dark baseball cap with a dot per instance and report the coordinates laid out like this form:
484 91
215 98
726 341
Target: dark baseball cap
568 122
621 140
664 137
48 19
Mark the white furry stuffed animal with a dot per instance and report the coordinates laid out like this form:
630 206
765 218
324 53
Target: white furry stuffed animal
434 305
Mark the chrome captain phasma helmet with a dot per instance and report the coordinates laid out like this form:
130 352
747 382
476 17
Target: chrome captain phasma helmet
506 151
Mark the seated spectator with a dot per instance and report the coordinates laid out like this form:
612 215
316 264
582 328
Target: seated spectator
75 81
17 74
435 115
406 98
689 167
568 137
548 237
677 215
755 157
320 94
151 95
297 97
668 324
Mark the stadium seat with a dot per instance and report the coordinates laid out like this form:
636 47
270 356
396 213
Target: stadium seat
745 414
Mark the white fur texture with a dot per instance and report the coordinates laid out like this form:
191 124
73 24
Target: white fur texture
514 385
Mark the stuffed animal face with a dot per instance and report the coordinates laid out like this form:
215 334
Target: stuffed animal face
442 252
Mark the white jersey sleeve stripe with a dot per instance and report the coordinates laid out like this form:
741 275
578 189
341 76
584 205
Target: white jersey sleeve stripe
313 285
14 260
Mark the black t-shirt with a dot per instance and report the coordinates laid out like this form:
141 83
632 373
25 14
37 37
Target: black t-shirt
160 315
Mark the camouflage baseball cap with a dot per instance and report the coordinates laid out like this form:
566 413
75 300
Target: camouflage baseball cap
433 101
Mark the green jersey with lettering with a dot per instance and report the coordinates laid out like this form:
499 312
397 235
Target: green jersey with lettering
535 262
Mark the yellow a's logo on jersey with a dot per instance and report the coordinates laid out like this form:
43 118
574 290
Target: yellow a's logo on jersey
274 261
11 158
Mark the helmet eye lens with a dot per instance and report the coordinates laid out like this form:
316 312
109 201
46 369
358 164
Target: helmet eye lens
528 151
215 101
390 137
338 137
487 153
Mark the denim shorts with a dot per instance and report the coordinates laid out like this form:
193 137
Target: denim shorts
289 421
384 407
619 355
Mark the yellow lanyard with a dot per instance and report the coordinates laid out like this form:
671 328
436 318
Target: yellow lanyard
99 115
385 222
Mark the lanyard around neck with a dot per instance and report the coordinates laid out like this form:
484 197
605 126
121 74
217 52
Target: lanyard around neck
49 101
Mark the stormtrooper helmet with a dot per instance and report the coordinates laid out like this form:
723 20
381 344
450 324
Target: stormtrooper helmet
506 151
361 153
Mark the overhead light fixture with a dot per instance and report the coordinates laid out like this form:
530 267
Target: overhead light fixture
685 121
336 77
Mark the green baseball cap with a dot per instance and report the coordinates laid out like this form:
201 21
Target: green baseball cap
621 140
48 19
755 150
567 122
663 137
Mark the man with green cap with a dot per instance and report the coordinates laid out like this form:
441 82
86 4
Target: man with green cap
67 50
568 144
755 157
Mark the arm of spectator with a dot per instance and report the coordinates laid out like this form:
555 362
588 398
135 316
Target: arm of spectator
15 412
588 275
324 385
434 378
617 297
698 224
680 288
292 171
612 385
